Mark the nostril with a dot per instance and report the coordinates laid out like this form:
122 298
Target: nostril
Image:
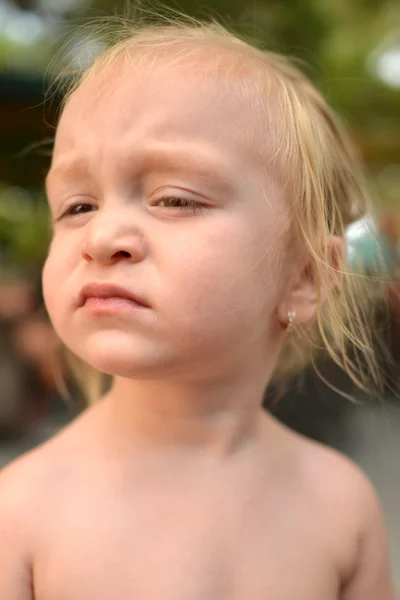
123 253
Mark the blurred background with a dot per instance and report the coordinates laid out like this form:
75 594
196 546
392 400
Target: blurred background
351 49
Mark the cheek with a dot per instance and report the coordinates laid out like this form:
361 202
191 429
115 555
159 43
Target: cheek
224 280
56 273
50 283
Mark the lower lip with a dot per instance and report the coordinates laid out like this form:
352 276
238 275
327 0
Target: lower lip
111 305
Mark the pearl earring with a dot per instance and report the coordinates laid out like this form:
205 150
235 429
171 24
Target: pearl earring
291 319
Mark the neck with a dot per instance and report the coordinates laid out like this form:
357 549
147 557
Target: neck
214 417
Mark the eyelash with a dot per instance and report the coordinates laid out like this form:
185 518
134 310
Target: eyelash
185 204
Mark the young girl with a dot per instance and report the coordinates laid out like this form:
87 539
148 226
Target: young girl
199 190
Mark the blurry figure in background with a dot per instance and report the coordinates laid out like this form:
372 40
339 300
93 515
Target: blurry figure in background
20 386
18 376
28 360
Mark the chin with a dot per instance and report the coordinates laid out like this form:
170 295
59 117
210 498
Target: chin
140 360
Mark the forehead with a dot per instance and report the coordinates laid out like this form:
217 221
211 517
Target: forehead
168 102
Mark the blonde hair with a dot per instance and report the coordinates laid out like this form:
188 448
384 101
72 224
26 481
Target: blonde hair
313 157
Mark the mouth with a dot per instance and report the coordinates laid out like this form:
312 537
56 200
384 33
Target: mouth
106 292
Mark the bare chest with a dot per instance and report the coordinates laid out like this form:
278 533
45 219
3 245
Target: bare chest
170 551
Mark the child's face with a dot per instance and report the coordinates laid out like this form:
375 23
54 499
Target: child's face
214 278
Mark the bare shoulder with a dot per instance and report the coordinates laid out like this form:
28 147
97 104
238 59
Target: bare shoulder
327 472
347 507
338 485
24 486
31 486
20 482
337 480
27 483
21 512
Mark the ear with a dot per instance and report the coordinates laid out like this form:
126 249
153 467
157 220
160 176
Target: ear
311 282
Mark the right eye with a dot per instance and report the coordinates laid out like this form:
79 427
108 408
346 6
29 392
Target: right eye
72 211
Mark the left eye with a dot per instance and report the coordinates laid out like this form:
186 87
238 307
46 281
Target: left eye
182 203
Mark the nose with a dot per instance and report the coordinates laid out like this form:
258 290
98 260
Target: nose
109 239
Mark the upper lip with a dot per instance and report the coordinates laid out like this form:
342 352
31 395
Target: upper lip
108 290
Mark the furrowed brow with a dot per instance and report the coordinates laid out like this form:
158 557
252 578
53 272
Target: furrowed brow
65 168
211 170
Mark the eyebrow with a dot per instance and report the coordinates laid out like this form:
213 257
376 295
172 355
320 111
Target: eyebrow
64 168
214 171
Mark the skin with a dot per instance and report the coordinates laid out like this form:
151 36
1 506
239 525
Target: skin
177 484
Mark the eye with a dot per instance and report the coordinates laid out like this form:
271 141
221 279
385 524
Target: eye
76 209
182 203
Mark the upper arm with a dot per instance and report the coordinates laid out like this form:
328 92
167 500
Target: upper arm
371 577
15 564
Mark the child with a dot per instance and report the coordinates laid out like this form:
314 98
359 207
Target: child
199 191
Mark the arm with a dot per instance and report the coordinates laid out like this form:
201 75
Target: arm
371 577
15 568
